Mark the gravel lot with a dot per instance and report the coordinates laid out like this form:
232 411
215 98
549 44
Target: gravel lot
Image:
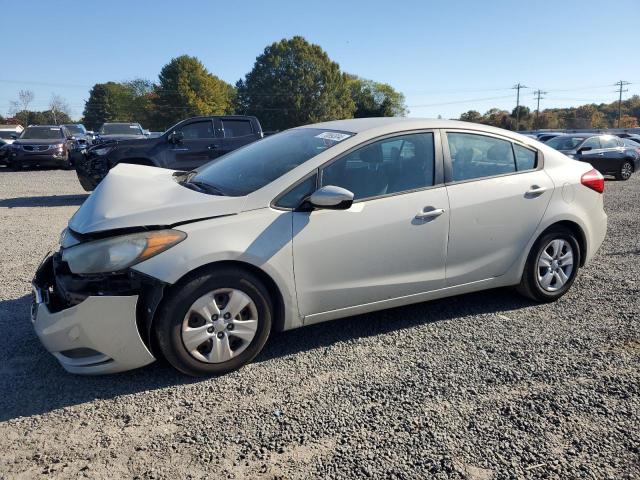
481 386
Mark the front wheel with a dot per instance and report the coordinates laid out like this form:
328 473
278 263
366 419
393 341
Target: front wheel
215 322
551 267
626 169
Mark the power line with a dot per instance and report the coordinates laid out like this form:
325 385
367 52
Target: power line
620 84
517 87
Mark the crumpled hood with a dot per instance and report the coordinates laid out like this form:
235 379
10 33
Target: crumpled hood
137 195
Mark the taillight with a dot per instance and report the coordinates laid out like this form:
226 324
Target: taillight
594 180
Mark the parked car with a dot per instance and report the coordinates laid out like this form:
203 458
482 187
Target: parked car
543 137
185 146
8 133
4 152
120 131
42 145
607 153
198 267
80 134
634 137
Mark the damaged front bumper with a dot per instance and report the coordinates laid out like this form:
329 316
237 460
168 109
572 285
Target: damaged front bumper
91 169
94 326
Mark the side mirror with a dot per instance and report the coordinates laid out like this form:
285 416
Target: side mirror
14 136
331 197
176 137
584 149
146 133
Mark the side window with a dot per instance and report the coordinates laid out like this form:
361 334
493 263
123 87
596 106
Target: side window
526 159
198 130
592 142
608 142
384 167
477 156
236 128
294 197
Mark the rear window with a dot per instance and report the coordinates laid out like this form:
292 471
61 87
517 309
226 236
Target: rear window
565 143
236 128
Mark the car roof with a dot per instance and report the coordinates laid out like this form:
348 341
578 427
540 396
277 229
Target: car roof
46 126
120 123
357 125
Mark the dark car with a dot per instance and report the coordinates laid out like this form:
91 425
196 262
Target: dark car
185 146
80 134
120 131
4 152
42 145
546 136
607 153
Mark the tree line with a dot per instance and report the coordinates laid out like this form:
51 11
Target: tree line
293 82
603 115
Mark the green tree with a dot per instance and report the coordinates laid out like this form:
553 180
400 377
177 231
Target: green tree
499 118
524 119
108 102
471 116
187 89
294 82
373 99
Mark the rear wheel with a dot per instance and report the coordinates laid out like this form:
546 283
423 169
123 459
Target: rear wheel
214 323
626 169
551 267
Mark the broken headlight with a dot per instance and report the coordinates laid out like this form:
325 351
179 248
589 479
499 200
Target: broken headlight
117 253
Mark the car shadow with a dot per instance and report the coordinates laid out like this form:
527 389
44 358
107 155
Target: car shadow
45 201
33 382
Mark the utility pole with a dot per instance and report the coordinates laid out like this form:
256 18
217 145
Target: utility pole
538 94
517 87
620 84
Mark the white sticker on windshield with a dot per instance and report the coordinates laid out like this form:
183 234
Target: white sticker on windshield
56 129
132 126
334 136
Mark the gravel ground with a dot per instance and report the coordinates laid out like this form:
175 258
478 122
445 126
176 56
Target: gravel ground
481 386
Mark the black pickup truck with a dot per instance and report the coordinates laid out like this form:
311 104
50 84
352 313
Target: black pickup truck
185 146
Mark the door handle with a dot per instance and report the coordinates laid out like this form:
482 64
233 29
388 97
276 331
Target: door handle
536 190
429 212
601 154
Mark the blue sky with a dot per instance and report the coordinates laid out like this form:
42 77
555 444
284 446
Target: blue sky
446 57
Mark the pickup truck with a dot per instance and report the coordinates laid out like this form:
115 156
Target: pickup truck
185 146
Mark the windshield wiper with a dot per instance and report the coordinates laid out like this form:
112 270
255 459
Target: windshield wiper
203 187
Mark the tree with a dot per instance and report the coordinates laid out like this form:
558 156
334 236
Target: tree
59 107
19 108
373 99
140 107
471 116
294 82
498 118
627 121
107 102
187 89
524 117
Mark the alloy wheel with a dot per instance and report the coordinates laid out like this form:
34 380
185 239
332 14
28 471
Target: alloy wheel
220 325
555 265
626 171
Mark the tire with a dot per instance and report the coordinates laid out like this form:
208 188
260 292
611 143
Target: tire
66 162
177 316
531 284
626 169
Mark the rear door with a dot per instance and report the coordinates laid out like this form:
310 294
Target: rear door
198 146
498 193
237 132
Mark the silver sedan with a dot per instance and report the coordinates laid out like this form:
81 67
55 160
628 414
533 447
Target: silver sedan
313 224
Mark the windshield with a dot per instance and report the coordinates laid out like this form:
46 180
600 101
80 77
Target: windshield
565 143
7 134
120 129
75 129
252 167
42 133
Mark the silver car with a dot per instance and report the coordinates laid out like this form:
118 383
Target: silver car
313 224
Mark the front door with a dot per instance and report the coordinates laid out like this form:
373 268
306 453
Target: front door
391 243
198 146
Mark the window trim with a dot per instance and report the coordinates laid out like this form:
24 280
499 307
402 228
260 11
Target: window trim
437 161
438 174
448 165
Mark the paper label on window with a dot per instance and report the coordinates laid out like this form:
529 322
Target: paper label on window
333 136
54 129
133 126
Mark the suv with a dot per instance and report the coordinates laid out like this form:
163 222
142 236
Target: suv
80 134
185 146
43 145
607 153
